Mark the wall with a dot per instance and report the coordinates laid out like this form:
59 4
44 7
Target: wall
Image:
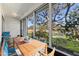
0 24
12 25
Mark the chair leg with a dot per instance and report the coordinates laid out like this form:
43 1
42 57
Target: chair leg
0 52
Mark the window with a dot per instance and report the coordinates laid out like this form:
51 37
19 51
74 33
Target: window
42 24
30 26
65 27
22 27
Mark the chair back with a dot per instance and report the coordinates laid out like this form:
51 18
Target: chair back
52 53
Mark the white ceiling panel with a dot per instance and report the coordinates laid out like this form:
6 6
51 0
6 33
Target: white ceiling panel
17 10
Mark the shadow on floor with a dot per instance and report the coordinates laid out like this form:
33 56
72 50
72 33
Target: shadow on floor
56 53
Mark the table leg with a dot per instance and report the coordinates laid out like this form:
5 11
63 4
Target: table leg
46 49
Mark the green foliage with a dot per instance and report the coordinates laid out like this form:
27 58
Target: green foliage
37 34
66 43
42 34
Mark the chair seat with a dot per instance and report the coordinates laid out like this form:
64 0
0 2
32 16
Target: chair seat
11 51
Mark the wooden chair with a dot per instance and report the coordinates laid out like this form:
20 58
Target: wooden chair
50 54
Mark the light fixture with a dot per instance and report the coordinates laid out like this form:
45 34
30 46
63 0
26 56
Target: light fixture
14 14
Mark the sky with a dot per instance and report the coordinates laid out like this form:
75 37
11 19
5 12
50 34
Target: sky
62 11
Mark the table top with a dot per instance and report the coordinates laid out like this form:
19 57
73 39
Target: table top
28 49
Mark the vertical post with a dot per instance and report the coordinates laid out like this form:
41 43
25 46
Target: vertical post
34 24
49 24
24 27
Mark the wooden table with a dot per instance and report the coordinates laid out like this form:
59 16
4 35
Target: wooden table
18 41
31 48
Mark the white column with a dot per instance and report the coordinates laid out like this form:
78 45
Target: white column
49 24
0 25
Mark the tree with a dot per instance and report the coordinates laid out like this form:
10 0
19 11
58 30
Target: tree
74 21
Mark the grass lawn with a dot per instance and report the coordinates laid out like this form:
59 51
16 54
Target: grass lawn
66 43
73 45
